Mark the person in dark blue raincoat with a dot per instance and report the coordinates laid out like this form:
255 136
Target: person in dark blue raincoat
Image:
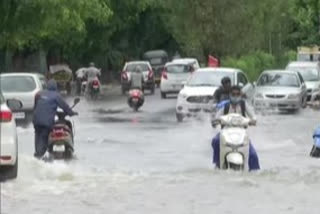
46 104
235 105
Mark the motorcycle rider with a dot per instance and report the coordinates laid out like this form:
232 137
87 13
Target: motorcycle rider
80 76
92 73
237 105
46 104
137 78
137 82
223 92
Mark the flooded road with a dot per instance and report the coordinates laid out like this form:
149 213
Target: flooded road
146 162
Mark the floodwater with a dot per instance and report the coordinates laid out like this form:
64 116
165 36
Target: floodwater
146 162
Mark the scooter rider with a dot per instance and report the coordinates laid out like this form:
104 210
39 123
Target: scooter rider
236 105
223 92
46 104
137 78
92 73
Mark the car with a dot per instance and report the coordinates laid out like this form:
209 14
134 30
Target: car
310 72
148 75
157 59
24 87
280 89
197 94
173 77
192 61
8 139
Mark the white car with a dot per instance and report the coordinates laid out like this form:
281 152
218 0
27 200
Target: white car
191 61
173 77
197 94
310 71
8 139
24 87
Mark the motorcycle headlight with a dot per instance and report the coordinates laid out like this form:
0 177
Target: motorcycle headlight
258 96
293 96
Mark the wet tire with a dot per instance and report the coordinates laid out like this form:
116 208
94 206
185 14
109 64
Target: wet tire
163 95
9 172
179 118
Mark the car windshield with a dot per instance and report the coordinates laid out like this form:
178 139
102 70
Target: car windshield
308 73
277 79
133 67
178 69
17 84
209 78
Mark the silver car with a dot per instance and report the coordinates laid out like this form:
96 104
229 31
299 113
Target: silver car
310 71
280 89
24 87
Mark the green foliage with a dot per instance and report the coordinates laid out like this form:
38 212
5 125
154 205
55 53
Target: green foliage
252 64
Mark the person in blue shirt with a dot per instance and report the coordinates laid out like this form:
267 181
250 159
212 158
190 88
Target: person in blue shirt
46 104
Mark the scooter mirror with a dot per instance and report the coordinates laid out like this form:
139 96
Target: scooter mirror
76 101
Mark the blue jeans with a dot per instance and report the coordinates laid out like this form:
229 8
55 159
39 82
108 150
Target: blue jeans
41 140
253 156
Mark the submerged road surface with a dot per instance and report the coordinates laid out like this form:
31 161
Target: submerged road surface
146 162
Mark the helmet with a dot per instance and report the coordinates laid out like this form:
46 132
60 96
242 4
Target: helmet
225 80
91 64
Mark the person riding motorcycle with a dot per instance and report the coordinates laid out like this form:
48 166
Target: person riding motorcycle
92 73
236 105
137 78
137 83
223 92
80 76
46 104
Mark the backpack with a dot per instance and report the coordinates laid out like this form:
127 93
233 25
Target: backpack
242 106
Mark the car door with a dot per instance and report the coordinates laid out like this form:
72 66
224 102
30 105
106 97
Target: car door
246 86
304 91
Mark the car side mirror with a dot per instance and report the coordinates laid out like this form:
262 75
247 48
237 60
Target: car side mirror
76 101
241 85
14 104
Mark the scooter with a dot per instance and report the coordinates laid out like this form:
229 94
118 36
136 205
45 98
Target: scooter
234 142
135 99
61 138
94 89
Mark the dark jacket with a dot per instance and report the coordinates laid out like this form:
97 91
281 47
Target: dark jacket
221 94
46 104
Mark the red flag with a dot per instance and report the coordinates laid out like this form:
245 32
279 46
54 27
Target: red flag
213 62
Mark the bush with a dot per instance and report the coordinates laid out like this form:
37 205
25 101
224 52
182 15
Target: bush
252 64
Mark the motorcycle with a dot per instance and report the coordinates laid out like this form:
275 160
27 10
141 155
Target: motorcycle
94 89
61 137
135 99
234 142
83 87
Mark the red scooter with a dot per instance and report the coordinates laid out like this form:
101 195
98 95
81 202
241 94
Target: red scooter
135 99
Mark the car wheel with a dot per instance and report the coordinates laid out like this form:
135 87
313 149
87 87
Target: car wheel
179 117
10 172
163 95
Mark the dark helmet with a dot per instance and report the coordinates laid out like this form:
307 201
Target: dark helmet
225 80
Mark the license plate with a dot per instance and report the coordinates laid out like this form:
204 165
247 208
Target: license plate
58 148
135 100
19 115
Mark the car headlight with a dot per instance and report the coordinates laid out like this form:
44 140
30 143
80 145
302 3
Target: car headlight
183 96
293 96
259 96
